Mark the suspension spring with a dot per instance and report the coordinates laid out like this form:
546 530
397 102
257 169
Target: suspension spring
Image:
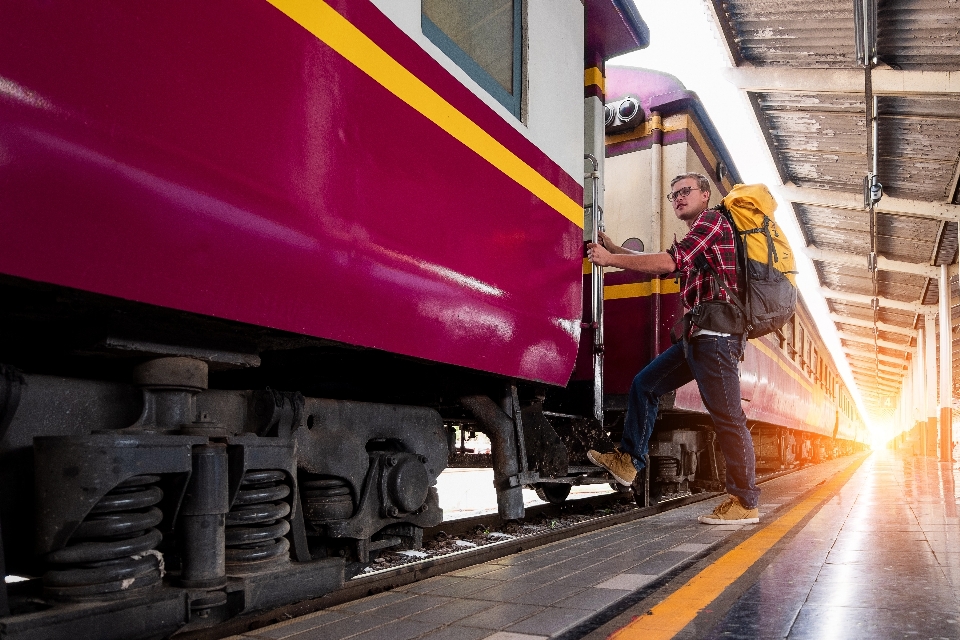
326 499
664 468
256 524
114 548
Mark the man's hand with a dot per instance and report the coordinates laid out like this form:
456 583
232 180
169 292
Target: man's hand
605 241
598 255
654 263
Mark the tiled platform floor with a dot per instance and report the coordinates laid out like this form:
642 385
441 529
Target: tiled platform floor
546 592
880 560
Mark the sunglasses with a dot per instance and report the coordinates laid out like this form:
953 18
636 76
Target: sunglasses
681 193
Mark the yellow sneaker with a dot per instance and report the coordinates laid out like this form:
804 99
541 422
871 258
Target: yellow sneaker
619 464
731 511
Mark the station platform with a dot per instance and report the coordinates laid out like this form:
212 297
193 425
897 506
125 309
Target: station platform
861 547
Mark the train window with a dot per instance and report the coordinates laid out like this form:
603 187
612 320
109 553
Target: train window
484 38
787 330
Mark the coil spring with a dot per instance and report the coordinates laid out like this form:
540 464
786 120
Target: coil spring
255 524
114 548
666 468
326 499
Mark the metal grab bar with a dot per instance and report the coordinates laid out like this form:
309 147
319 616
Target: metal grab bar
596 291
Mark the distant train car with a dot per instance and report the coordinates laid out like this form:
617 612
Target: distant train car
797 407
256 258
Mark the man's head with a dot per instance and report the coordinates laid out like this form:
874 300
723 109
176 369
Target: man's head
690 195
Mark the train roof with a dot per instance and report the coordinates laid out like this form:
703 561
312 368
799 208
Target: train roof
665 94
613 28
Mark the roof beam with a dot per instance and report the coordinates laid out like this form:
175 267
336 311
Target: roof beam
861 356
884 81
886 391
880 343
882 389
888 372
865 366
839 257
883 393
858 298
880 380
868 354
887 204
873 396
882 326
857 352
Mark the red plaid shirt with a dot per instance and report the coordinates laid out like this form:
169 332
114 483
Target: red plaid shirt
711 236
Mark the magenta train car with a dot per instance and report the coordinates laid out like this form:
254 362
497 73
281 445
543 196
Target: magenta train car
797 407
259 258
234 161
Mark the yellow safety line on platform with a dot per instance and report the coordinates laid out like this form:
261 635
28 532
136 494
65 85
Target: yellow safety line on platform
342 36
679 609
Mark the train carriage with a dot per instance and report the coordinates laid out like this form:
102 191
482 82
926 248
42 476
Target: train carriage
256 257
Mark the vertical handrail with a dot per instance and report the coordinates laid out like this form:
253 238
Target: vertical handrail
596 291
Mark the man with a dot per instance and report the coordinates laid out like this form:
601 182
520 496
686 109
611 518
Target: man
710 357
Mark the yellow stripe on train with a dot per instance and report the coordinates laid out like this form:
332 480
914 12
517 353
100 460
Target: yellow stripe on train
670 285
342 36
640 289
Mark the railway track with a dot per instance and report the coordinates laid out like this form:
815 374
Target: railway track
542 525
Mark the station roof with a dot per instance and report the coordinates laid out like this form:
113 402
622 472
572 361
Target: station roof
798 63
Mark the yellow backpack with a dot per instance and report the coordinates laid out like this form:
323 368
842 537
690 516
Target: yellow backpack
751 208
765 266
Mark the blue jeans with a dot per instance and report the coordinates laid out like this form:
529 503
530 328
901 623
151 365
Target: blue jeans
713 361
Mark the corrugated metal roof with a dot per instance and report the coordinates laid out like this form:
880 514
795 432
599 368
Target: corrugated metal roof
778 32
919 34
819 139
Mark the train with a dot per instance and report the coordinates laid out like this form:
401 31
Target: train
798 408
261 259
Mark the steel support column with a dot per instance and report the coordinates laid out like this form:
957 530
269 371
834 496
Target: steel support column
946 369
930 360
920 390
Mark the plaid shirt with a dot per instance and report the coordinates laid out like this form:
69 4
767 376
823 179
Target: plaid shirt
712 237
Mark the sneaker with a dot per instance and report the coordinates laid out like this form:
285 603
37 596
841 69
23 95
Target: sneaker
619 464
731 512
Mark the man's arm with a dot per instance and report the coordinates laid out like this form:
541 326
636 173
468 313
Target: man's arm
656 263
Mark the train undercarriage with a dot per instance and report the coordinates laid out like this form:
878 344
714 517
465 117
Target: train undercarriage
163 505
152 486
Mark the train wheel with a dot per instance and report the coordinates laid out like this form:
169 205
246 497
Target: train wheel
552 492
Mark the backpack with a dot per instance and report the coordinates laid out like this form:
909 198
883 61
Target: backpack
765 266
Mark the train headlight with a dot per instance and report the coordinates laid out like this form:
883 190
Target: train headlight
627 110
622 114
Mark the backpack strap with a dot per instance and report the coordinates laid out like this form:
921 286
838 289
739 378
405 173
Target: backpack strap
734 298
741 252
